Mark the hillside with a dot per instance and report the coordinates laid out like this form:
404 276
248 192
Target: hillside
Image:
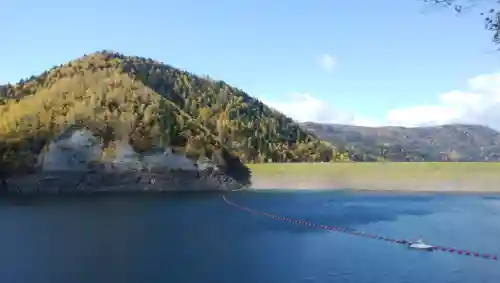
152 105
440 143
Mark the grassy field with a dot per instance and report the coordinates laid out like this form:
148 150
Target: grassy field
381 170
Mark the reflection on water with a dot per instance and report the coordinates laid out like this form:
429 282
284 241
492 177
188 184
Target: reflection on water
198 238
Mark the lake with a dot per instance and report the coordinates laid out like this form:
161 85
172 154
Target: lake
199 238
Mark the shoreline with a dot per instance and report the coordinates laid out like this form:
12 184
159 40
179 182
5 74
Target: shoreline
471 185
118 181
476 184
422 189
376 190
379 177
370 192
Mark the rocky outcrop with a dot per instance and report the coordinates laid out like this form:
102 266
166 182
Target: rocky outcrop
231 166
73 164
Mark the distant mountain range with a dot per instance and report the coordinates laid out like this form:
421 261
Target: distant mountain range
455 142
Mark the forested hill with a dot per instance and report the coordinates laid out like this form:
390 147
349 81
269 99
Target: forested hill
440 143
156 105
152 104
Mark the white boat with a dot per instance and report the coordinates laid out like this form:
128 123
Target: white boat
420 245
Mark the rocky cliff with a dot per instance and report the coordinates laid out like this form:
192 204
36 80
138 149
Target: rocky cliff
77 163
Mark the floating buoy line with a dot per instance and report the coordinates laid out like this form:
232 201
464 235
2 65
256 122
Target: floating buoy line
356 233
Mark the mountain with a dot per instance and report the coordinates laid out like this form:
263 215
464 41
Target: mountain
455 142
150 104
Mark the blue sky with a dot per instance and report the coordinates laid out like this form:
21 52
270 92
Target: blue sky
386 56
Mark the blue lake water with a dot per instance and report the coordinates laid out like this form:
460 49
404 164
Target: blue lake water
199 238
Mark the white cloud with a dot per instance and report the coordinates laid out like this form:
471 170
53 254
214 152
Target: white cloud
304 107
327 62
478 104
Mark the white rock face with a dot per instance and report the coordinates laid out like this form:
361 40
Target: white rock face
126 158
204 164
75 150
72 153
66 161
170 160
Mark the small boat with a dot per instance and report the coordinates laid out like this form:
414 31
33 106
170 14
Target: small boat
420 245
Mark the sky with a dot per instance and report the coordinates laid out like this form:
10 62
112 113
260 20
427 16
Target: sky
364 62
